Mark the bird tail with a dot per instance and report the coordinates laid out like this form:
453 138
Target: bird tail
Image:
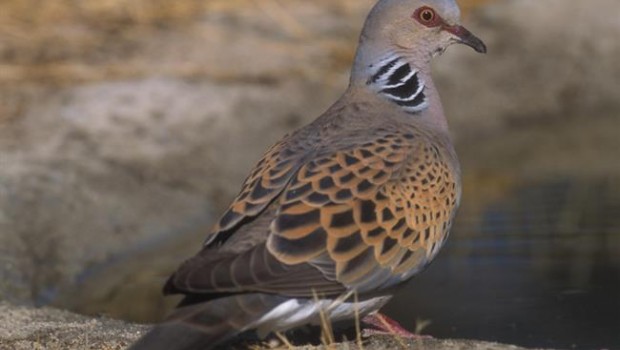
209 324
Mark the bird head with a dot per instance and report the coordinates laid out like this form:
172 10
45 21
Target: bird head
416 28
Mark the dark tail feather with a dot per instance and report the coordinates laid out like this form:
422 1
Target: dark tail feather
208 324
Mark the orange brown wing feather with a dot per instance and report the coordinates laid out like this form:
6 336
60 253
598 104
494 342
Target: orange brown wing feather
365 217
266 181
376 213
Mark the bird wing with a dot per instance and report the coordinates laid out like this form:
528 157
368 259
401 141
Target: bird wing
371 216
266 181
363 217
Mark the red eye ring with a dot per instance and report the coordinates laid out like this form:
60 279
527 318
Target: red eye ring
427 16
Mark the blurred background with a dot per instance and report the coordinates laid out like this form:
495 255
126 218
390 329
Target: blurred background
126 127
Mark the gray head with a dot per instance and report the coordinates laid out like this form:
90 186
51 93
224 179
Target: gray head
414 29
398 41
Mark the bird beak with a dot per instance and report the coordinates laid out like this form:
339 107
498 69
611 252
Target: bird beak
464 36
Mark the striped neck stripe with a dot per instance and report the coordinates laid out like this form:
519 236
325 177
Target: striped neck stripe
398 82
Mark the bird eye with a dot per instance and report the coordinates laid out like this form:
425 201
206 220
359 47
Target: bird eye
427 16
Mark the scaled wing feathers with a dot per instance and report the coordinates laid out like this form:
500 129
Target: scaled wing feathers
365 217
371 215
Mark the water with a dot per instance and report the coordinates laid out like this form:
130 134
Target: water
538 268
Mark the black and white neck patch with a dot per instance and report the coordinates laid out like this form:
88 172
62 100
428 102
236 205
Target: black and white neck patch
396 80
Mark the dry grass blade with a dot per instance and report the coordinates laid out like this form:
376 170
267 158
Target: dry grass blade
358 327
327 333
285 340
420 325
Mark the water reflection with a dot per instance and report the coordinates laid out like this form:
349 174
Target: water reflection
539 267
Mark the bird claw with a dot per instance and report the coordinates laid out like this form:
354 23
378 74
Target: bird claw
384 325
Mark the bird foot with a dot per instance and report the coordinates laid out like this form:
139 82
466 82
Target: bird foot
384 325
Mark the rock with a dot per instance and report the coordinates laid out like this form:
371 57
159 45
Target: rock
538 68
126 165
97 171
386 342
545 97
23 328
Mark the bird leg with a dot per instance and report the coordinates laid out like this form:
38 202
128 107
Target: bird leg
384 325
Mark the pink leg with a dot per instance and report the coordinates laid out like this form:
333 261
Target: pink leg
384 325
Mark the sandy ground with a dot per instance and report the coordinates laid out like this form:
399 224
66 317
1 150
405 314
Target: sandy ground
23 328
